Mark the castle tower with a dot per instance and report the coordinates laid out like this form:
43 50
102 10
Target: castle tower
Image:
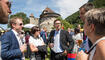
34 20
47 18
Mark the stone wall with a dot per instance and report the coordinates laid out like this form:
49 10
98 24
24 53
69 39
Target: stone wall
48 23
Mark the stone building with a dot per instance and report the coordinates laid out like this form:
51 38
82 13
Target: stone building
47 18
34 20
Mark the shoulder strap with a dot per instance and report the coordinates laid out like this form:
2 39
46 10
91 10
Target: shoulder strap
103 38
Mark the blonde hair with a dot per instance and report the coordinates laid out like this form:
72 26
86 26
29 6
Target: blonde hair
13 20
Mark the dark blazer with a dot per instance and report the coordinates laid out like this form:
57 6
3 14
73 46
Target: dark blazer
65 38
10 47
43 35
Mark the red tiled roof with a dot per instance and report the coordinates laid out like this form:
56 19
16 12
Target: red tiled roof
48 10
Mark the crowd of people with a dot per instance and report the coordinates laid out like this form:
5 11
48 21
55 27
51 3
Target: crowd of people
88 43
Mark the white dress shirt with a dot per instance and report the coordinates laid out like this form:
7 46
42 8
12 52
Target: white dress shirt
57 47
18 38
19 41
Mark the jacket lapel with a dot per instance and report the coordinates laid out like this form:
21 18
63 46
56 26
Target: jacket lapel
14 38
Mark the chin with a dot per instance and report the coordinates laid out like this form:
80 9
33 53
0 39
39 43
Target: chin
4 20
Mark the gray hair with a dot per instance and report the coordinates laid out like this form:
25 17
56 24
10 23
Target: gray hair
97 17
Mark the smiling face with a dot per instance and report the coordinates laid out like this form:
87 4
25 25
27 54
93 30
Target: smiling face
4 11
57 25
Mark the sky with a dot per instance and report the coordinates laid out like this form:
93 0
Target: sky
62 7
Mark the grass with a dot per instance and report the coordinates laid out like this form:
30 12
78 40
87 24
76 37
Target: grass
26 59
47 58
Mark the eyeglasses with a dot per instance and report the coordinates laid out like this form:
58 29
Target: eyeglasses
19 24
22 32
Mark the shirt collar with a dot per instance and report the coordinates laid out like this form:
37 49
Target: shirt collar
15 32
57 31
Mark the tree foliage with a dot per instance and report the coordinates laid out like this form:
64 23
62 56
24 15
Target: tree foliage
22 15
65 24
99 3
74 18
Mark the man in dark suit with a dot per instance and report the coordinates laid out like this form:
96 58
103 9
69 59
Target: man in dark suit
43 34
60 42
12 47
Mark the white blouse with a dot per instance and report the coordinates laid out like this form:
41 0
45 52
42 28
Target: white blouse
78 36
36 41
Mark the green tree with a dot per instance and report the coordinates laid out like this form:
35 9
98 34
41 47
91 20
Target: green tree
22 15
74 19
65 24
99 3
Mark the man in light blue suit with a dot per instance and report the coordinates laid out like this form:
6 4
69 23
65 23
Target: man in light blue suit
12 47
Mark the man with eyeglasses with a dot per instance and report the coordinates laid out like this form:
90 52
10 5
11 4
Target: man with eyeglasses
12 46
60 42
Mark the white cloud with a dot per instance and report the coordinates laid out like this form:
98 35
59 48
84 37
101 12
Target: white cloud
63 7
34 6
29 2
68 7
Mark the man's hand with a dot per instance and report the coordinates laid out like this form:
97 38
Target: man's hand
23 48
64 53
51 45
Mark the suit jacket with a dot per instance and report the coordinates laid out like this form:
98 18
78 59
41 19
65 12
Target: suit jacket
65 38
43 35
10 47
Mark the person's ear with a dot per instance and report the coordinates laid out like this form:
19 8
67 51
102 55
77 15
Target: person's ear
13 25
92 28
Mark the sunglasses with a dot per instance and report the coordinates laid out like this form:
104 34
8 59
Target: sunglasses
22 32
20 24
